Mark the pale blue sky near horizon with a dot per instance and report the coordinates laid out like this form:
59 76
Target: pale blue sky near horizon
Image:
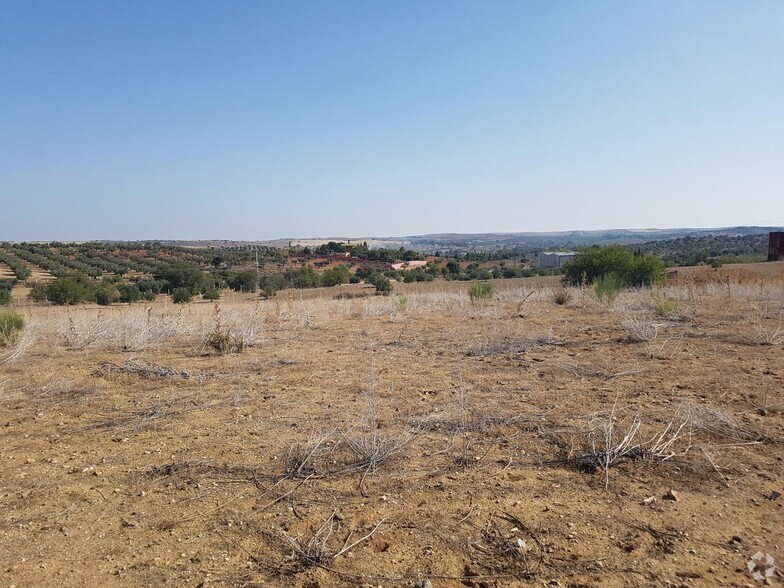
261 119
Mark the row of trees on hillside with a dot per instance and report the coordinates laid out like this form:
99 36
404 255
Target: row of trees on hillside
185 281
703 249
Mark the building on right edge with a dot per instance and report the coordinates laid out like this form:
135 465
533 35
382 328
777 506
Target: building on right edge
776 246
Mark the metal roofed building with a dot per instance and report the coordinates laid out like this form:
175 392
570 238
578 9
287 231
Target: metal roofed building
555 258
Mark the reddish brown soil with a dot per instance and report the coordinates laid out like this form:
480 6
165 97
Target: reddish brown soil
109 479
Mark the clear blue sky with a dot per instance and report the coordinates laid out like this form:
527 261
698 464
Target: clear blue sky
260 119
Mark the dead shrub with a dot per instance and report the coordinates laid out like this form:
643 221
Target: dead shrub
766 328
141 369
508 546
303 460
562 296
316 551
15 350
605 441
509 344
640 327
58 389
223 338
368 448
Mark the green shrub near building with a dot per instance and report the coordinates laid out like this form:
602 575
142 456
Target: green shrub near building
592 263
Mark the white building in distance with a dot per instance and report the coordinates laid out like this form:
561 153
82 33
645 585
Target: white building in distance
555 258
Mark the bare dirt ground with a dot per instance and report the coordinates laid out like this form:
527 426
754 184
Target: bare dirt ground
6 273
396 441
38 274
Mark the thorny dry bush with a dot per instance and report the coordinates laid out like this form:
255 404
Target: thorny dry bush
132 329
767 326
322 546
140 329
369 447
645 327
19 347
641 326
599 441
472 430
362 446
602 441
232 331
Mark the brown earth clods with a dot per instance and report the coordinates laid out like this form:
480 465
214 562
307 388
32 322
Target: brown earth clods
399 441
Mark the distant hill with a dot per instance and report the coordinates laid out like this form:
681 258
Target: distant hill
569 239
487 242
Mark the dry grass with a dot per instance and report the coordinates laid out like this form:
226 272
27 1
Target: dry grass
16 349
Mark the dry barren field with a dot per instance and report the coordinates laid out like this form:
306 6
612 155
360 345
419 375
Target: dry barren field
410 440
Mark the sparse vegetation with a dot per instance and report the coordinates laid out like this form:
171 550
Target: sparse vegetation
486 416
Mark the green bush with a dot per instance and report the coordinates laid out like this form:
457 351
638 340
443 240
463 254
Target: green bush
183 275
645 270
335 277
608 286
381 282
591 263
154 286
479 291
212 294
130 293
65 291
417 275
271 283
11 324
181 295
5 296
38 292
244 281
365 271
106 294
304 277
